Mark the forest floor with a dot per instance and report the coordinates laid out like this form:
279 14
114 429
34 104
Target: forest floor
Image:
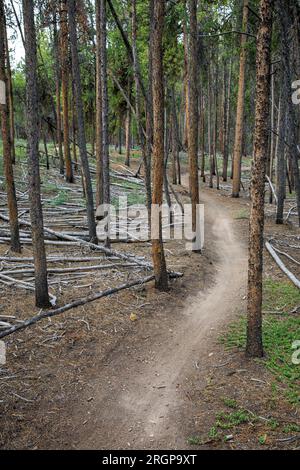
177 377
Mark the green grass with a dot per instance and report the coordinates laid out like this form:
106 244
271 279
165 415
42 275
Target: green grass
281 296
60 199
230 402
195 441
232 420
279 333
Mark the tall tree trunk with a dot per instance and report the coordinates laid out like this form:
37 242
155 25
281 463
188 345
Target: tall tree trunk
128 137
136 69
176 137
161 276
32 113
281 161
81 123
286 26
64 48
99 129
216 168
228 128
10 99
272 137
202 133
238 145
7 144
104 96
58 96
74 128
209 133
254 330
193 117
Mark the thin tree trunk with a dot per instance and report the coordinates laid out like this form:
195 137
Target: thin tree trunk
7 144
193 117
128 137
202 133
104 96
81 123
46 150
176 136
216 168
99 128
211 166
36 213
136 69
286 26
74 128
281 161
10 99
254 330
64 47
58 96
161 276
238 146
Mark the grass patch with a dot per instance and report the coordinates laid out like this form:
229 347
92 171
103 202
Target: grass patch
281 296
60 199
234 419
230 402
279 333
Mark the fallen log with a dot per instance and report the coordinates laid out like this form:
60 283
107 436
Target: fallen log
282 266
77 303
24 285
90 245
71 270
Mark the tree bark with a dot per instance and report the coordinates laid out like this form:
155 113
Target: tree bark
128 137
32 113
193 117
104 96
238 146
81 123
161 277
58 96
286 26
99 129
7 143
281 169
263 66
64 48
10 99
136 69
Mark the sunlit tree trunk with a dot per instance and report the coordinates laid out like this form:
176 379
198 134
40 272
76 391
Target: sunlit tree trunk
64 55
161 276
32 114
128 137
239 129
99 130
81 123
263 67
10 99
7 144
58 95
193 117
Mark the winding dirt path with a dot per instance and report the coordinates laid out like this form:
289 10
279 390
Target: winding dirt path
137 400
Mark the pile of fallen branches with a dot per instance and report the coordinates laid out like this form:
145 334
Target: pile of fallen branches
65 226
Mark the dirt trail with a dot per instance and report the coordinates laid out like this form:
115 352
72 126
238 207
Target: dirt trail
137 401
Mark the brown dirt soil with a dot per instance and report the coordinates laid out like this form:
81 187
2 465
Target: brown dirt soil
93 379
